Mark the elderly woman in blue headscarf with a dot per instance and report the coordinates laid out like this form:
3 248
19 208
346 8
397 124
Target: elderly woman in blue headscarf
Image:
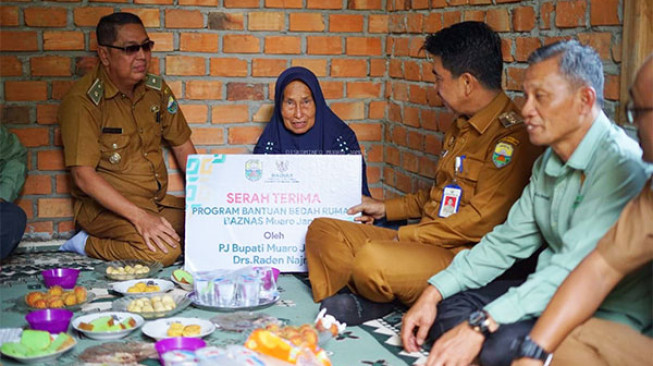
302 122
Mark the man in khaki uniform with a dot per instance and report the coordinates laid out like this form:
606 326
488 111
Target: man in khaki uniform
485 163
113 123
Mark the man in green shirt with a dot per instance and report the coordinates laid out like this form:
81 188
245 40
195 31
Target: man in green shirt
13 168
589 171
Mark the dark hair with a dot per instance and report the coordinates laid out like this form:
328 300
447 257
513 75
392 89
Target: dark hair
579 64
471 47
107 28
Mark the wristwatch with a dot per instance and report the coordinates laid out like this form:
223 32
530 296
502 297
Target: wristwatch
529 349
479 321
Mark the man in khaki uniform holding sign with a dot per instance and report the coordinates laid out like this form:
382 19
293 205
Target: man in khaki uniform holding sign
485 163
113 122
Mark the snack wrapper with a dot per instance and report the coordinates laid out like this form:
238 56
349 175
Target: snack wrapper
306 353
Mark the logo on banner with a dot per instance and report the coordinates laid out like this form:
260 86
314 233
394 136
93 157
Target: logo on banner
253 170
282 166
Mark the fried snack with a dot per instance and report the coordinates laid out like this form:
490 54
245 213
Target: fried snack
153 304
55 291
175 330
56 297
192 330
150 286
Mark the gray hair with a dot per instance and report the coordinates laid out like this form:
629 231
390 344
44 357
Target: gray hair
579 64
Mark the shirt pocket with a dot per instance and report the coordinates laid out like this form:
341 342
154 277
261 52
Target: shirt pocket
468 178
113 151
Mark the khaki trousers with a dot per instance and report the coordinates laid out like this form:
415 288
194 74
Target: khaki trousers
368 261
112 237
600 342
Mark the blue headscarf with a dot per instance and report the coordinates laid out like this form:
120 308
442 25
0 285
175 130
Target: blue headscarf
329 134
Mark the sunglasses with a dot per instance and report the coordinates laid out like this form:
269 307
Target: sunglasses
633 113
130 50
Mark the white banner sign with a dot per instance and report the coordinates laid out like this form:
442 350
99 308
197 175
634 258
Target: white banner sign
253 210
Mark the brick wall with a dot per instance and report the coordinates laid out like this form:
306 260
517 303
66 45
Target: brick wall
221 58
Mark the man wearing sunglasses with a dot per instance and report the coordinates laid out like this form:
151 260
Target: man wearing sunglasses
114 122
589 321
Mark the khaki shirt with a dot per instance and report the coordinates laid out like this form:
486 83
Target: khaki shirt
121 138
491 181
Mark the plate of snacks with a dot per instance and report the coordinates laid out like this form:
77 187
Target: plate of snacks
178 327
129 269
142 286
38 346
107 325
183 279
56 297
152 306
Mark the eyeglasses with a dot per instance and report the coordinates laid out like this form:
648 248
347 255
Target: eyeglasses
130 50
633 113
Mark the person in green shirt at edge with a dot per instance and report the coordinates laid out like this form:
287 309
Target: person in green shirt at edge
585 323
13 168
578 187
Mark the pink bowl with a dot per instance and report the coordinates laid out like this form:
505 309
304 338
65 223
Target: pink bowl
178 344
51 320
64 277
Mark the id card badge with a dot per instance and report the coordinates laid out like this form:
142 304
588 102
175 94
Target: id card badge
450 200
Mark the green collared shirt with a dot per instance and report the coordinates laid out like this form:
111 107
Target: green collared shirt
567 206
13 165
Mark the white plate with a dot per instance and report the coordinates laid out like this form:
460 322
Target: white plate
123 286
181 303
108 335
158 329
153 267
182 285
43 358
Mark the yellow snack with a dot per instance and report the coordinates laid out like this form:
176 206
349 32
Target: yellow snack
175 330
191 330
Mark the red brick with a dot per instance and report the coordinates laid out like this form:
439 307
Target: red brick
417 93
268 67
241 3
282 45
427 166
474 15
364 46
400 91
377 110
18 41
55 207
195 113
401 47
198 42
236 43
228 67
364 4
306 22
162 41
433 23
65 227
506 49
37 184
185 65
8 16
457 2
151 17
231 113
266 21
323 4
396 69
10 66
410 162
175 87
318 66
244 135
348 23
397 23
50 160
367 131
570 14
46 114
348 68
26 205
604 12
323 45
616 51
198 2
374 153
480 2
264 113
226 21
411 116
432 144
377 23
404 183
546 11
412 71
284 4
450 18
391 155
428 120
153 2
208 136
445 119
244 91
45 17
40 227
33 137
514 78
61 87
177 18
53 41
427 72
498 19
524 46
363 89
332 89
600 41
349 110
200 89
377 67
414 22
611 87
420 4
50 66
89 17
26 90
523 19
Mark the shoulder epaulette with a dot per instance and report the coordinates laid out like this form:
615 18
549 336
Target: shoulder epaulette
95 91
154 82
510 119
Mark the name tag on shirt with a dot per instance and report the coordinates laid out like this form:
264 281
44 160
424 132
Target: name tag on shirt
112 130
450 200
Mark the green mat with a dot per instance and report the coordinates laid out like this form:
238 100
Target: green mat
375 343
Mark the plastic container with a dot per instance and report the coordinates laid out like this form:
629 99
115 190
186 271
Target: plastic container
51 320
64 277
178 344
